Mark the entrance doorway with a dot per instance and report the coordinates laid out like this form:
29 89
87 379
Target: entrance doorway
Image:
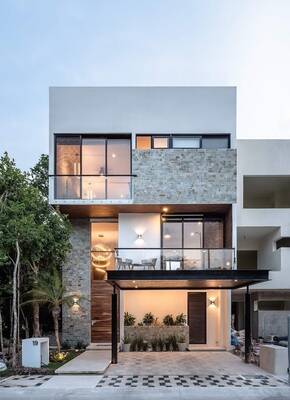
196 303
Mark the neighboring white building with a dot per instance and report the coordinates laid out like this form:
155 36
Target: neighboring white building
263 228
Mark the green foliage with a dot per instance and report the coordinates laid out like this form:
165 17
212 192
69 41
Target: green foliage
181 339
161 343
168 320
154 344
180 319
39 175
129 319
126 339
148 319
80 345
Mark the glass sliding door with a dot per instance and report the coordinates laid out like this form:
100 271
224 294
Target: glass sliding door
94 164
67 167
193 240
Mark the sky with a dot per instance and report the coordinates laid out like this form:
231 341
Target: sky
243 43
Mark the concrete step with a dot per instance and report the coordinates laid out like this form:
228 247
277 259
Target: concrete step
89 362
99 346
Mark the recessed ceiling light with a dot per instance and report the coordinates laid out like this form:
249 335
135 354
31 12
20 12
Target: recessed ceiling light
167 236
191 233
114 155
134 281
199 223
136 287
165 209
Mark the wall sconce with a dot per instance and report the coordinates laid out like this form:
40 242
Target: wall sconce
212 301
76 301
139 236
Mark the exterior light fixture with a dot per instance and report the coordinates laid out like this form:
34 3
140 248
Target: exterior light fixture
167 236
191 233
139 236
228 263
212 301
76 301
165 209
113 155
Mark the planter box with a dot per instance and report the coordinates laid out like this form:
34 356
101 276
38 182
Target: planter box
150 332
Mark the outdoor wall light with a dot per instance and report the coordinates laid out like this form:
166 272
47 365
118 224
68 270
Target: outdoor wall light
139 236
76 301
165 209
212 301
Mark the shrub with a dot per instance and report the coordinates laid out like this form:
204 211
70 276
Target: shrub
154 344
168 320
65 346
139 343
145 346
133 345
80 345
180 319
148 319
173 342
160 343
129 319
181 339
167 343
126 339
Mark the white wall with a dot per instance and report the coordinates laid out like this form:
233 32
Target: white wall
266 157
162 302
146 224
141 110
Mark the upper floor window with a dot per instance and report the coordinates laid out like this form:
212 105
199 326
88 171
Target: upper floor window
93 167
145 142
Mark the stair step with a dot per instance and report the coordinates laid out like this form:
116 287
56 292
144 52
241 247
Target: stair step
99 346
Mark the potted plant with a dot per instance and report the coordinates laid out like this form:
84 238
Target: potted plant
148 319
168 320
181 343
126 343
129 319
180 319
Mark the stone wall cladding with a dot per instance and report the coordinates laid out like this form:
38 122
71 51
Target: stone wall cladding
150 332
184 176
76 275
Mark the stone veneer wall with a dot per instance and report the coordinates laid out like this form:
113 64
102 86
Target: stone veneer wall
150 332
76 275
184 176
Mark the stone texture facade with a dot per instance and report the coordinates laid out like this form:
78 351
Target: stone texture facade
184 176
150 332
76 275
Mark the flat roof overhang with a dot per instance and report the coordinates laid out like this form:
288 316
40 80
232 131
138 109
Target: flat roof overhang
186 279
112 210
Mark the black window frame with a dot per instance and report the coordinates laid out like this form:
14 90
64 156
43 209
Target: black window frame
184 135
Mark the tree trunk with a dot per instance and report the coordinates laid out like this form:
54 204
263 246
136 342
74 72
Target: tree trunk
55 316
35 306
25 323
14 306
36 329
1 335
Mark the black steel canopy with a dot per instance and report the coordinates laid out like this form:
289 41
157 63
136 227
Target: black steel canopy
186 279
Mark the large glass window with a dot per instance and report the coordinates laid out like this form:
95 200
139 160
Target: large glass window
160 142
93 168
68 154
186 142
215 142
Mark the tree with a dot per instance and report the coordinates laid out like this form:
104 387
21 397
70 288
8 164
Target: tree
49 290
19 230
54 239
39 175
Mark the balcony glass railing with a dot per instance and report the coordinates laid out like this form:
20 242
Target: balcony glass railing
92 187
164 259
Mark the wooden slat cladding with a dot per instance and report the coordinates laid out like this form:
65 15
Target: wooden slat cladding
101 311
197 317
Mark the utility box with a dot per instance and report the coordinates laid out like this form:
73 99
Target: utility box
35 352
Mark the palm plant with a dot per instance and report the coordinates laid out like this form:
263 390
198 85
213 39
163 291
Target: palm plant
50 290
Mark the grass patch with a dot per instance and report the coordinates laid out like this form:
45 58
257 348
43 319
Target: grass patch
70 355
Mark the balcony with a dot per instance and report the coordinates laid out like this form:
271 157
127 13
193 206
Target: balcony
157 259
92 187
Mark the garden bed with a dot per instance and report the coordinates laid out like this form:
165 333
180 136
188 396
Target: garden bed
155 337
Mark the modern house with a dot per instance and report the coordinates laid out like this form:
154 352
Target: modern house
263 232
148 177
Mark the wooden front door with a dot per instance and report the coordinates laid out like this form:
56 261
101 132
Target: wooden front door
101 312
197 317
